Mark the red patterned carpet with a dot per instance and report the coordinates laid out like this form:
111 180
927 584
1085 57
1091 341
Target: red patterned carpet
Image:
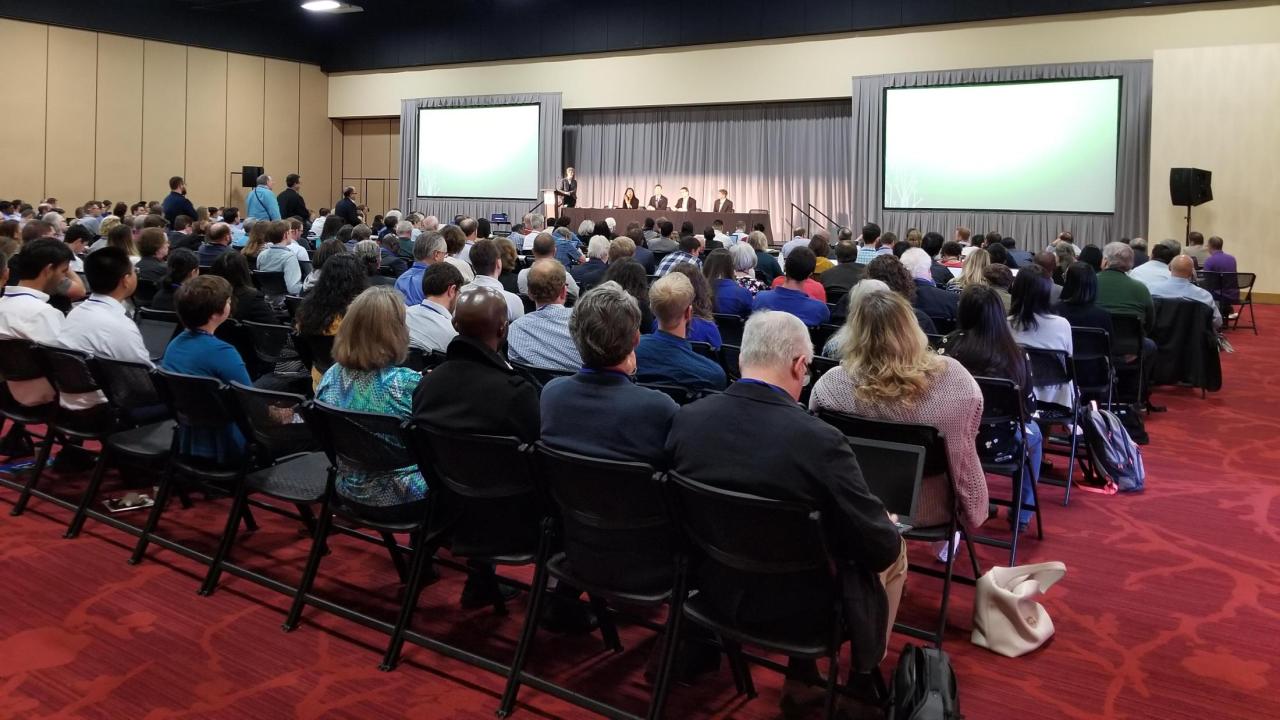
1170 607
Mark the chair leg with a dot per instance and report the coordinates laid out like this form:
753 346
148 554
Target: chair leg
671 636
833 673
238 507
308 517
153 518
313 565
184 497
421 555
1035 498
741 673
973 554
246 514
608 630
90 493
1016 509
42 460
397 559
538 594
946 587
1071 462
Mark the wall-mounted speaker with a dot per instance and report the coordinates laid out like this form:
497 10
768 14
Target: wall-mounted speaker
249 175
1190 186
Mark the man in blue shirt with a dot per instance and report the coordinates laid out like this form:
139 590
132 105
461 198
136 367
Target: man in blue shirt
790 296
428 249
176 202
665 356
541 338
690 249
261 203
867 251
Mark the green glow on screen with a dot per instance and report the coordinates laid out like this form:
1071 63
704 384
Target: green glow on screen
1044 146
478 152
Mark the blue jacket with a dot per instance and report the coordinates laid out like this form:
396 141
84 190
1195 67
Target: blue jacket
176 204
261 204
629 422
732 298
812 312
664 358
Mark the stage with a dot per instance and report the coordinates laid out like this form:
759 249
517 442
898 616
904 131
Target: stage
700 220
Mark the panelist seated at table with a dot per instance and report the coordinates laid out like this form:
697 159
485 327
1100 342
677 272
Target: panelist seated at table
722 204
629 199
657 201
685 203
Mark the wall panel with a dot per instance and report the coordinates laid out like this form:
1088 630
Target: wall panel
118 164
280 111
315 141
72 79
22 142
164 117
375 149
351 133
206 144
246 85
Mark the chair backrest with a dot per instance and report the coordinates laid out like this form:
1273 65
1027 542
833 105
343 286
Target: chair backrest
146 290
820 366
69 371
168 316
315 351
730 327
19 360
269 340
273 421
747 533
477 467
925 436
819 335
235 334
528 303
196 402
291 304
602 494
1091 358
128 385
935 341
943 325
271 283
729 361
705 350
835 300
157 327
1001 401
1049 367
1127 334
893 471
682 395
362 441
538 376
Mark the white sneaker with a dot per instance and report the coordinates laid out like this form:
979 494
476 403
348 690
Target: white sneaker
946 548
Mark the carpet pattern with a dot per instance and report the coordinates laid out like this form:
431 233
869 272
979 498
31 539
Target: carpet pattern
1170 607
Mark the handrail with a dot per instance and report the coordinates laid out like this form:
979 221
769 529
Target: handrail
825 216
808 226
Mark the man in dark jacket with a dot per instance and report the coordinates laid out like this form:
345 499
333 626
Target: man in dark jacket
847 272
291 202
347 208
176 202
817 469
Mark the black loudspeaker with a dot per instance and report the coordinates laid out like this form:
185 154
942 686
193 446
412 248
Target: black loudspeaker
249 175
1190 186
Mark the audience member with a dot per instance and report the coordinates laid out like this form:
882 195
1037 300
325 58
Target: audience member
1181 285
690 249
276 256
790 294
431 319
40 271
745 260
631 277
153 250
544 246
429 249
592 271
370 255
665 355
1049 263
727 296
869 243
247 301
799 238
702 326
509 276
326 250
1035 326
454 242
1158 267
320 312
217 243
821 247
1119 293
767 268
77 238
182 266
1000 278
951 256
1222 262
932 300
541 338
1197 250
484 260
367 376
819 470
1092 255
1078 303
890 271
290 202
176 202
1139 247
932 244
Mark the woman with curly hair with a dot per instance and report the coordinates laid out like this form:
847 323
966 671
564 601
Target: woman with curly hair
322 310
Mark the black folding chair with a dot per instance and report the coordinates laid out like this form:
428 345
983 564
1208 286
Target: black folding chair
271 283
944 325
529 304
363 442
291 304
1129 357
1218 283
1053 368
538 376
729 361
705 350
237 336
315 351
820 335
884 465
272 344
1002 412
618 540
291 468
753 537
682 395
19 362
158 327
1092 365
730 327
146 290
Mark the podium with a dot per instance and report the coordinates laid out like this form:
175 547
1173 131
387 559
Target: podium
549 202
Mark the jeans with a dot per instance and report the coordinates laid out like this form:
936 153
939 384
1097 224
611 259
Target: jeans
1031 473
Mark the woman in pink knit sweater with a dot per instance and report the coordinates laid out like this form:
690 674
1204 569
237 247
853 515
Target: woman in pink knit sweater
888 372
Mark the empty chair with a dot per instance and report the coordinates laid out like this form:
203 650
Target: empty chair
1129 357
705 350
158 327
272 284
729 361
730 327
538 376
1091 364
1233 291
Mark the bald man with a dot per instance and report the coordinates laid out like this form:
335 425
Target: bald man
1179 285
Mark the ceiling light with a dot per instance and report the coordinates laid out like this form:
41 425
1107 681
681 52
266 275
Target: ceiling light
321 5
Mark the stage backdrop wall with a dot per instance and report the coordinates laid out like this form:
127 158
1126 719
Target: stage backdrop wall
549 153
766 155
1032 230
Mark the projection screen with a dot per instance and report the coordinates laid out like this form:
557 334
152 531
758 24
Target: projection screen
478 152
1046 146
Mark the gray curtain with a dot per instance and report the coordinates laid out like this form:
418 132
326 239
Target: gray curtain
766 155
550 134
1032 230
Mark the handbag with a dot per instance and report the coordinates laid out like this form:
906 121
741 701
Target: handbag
1007 619
924 686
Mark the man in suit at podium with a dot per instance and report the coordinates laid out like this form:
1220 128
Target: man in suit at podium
657 201
686 203
723 204
568 192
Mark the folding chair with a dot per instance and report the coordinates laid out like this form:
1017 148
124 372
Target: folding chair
158 327
730 327
538 376
1002 411
19 362
1054 368
729 361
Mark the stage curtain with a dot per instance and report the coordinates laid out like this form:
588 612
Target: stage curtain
766 155
549 152
1032 230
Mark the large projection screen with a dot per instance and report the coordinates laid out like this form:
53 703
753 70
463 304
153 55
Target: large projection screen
1045 146
478 152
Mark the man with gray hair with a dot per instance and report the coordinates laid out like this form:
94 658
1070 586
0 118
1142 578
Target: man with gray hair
590 273
1120 294
261 203
628 422
817 469
428 250
58 222
516 236
541 338
534 226
930 299
1139 247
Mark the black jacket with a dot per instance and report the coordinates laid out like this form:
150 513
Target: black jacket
657 203
722 206
292 205
690 206
476 391
347 210
589 274
151 269
842 277
1187 344
709 443
936 302
941 274
249 304
176 204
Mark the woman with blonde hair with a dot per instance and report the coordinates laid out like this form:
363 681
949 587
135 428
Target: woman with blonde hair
366 376
257 241
887 372
973 272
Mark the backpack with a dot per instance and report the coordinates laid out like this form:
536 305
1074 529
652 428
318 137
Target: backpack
924 686
1117 460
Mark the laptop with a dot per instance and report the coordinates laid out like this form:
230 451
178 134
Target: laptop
894 472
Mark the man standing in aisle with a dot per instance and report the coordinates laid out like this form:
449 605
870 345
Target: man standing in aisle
176 202
261 203
347 208
291 202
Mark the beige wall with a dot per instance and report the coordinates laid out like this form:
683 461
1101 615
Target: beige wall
104 116
817 68
369 159
1216 108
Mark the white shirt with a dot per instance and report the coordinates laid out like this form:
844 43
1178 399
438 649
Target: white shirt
299 251
463 266
792 244
522 283
1052 332
515 307
25 314
1150 272
317 225
530 237
430 326
100 327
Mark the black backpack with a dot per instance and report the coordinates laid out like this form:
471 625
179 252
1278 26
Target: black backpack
1116 457
924 686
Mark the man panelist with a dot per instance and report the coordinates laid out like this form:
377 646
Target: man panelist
657 201
685 203
723 204
568 191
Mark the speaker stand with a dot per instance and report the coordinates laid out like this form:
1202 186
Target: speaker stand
1186 238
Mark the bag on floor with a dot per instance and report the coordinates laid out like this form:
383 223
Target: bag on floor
1116 457
1007 618
924 686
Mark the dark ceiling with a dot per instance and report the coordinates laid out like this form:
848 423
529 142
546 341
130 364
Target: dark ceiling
405 33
